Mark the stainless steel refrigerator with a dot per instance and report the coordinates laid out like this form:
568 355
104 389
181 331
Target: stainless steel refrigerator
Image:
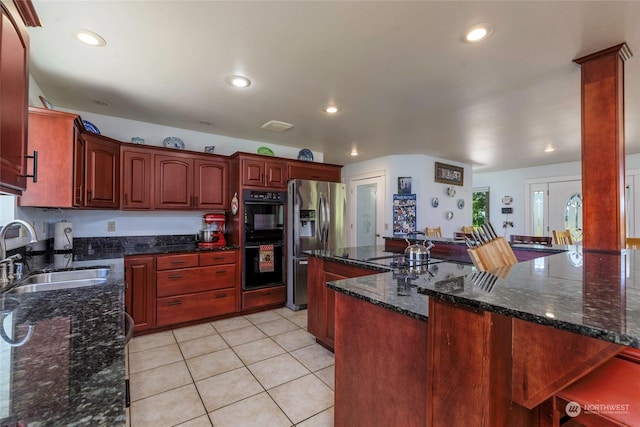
316 219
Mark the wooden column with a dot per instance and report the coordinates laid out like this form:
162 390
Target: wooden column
603 169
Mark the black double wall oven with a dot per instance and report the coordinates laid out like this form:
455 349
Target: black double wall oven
263 238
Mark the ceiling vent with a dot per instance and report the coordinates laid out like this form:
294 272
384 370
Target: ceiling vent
277 126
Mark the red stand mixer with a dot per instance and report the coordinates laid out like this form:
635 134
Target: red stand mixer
212 234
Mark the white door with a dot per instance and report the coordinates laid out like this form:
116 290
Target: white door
565 207
367 218
539 209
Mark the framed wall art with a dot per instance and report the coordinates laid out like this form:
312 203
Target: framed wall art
449 174
404 185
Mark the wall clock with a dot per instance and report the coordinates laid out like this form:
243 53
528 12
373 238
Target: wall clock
507 200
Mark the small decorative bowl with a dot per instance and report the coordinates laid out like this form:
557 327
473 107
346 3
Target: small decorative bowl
209 149
137 140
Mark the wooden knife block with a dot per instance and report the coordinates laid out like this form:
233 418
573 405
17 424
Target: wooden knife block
497 253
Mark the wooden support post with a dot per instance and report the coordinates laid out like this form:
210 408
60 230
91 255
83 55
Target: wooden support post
603 168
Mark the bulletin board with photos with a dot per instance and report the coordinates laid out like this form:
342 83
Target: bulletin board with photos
404 214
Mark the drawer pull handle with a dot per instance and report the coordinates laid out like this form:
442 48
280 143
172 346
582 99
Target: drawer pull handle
179 261
219 258
221 271
174 303
221 296
175 276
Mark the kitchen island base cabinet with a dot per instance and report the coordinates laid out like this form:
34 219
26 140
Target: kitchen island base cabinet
381 366
321 300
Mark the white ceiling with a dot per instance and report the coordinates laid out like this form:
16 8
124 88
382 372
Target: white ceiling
403 78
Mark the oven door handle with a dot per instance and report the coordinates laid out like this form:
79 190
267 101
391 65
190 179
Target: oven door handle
275 245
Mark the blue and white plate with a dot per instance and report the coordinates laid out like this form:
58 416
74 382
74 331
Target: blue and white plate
90 127
173 142
305 154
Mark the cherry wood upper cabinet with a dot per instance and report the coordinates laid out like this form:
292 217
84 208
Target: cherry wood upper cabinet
210 183
314 171
102 172
55 135
14 81
137 177
173 181
75 168
257 172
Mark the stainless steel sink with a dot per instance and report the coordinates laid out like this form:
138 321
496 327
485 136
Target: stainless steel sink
62 280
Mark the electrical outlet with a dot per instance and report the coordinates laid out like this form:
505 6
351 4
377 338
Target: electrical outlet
386 226
111 226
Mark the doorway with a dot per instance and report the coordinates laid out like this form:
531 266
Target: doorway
555 205
367 194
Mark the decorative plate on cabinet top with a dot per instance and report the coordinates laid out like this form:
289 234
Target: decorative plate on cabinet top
305 154
173 142
451 192
90 127
265 151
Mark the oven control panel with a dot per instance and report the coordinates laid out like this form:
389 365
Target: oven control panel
265 196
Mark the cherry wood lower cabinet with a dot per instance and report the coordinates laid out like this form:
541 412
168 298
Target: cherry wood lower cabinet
139 291
264 297
381 366
321 300
166 290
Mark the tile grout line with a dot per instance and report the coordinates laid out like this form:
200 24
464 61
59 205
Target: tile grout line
245 365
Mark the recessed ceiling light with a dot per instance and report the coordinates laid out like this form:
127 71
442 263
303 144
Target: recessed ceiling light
331 109
477 33
90 38
549 149
354 152
238 81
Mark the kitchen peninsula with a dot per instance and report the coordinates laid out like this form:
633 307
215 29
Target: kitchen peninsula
494 349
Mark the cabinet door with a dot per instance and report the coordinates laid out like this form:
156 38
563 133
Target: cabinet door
253 172
139 298
275 174
315 172
316 298
330 298
55 135
102 172
14 44
210 184
79 162
137 175
173 182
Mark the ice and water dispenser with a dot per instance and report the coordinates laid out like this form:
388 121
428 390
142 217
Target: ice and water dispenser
307 224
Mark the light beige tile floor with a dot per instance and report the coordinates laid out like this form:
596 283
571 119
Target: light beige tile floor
262 369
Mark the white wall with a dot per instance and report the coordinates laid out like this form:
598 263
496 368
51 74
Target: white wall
513 183
421 169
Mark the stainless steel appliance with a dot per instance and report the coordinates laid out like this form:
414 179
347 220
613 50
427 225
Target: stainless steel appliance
316 219
263 239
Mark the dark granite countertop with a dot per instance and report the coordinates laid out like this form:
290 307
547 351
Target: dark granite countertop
70 370
592 294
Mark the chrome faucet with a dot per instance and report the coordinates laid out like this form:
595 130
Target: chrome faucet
4 279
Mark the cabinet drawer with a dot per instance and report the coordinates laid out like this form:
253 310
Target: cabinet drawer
217 257
195 306
188 280
166 262
263 297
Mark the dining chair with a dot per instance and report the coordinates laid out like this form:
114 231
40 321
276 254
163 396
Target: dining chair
467 229
633 242
433 232
562 237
